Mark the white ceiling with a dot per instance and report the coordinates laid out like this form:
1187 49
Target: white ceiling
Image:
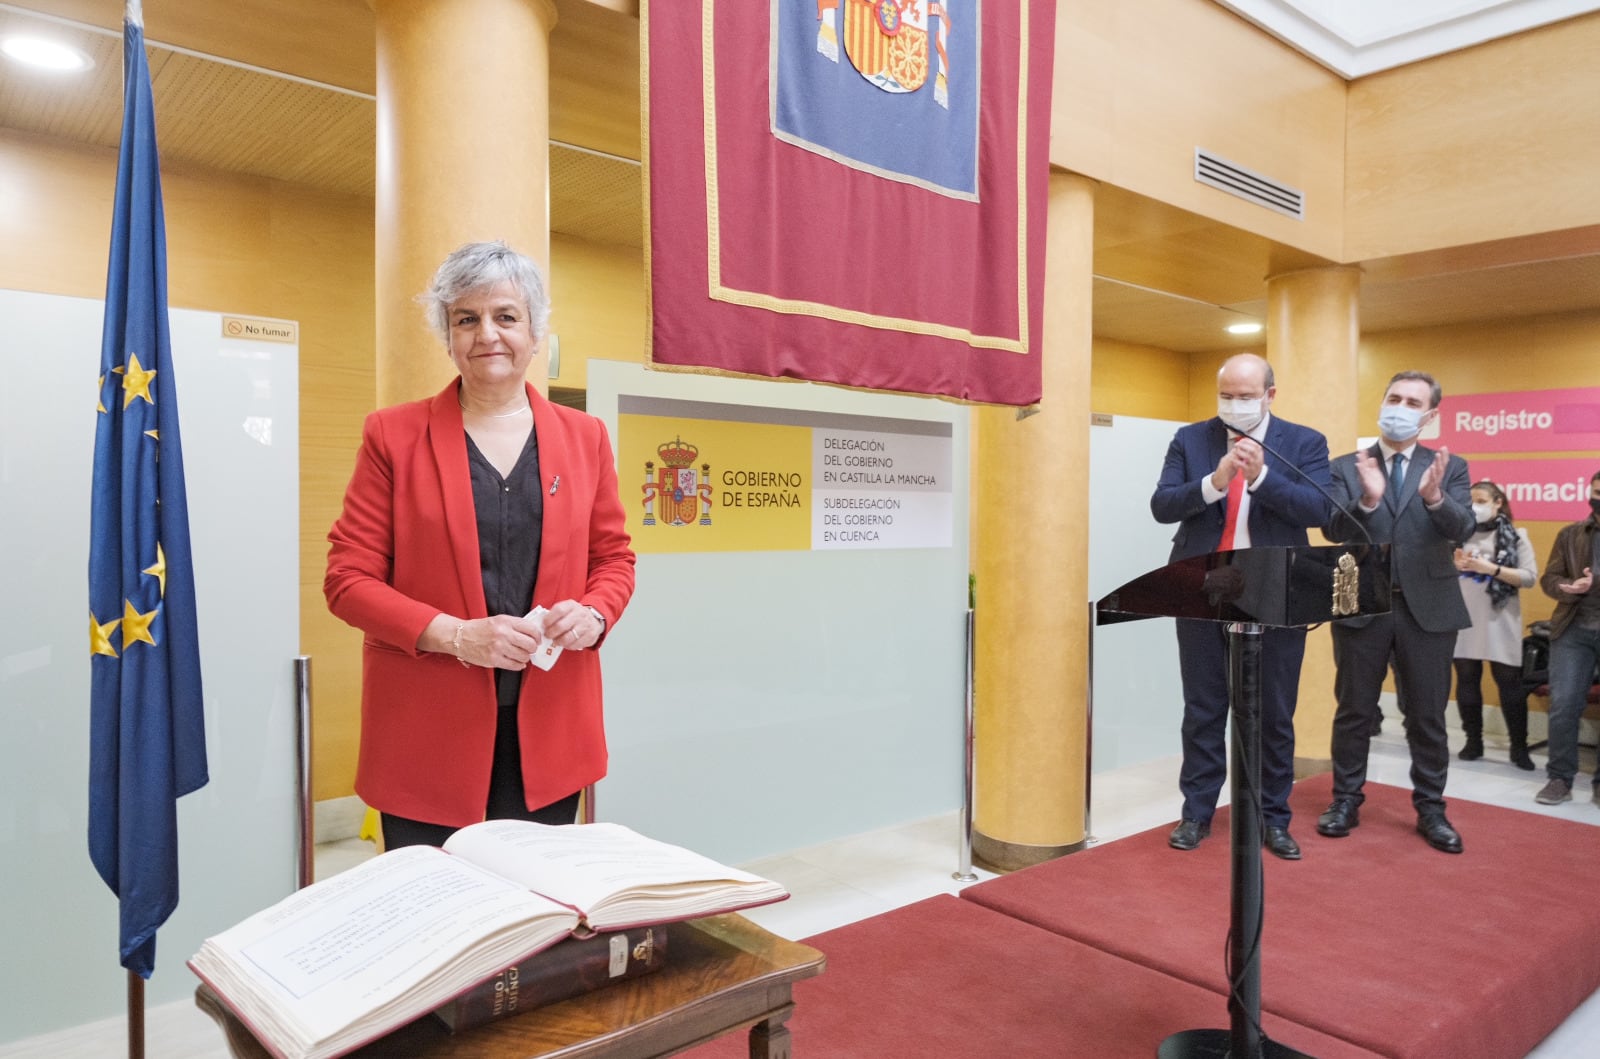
1358 37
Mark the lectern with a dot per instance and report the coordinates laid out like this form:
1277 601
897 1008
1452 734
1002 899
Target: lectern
1248 590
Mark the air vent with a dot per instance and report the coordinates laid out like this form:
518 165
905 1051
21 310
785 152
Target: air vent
1252 187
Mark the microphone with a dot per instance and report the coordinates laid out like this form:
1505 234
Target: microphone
1371 545
1269 450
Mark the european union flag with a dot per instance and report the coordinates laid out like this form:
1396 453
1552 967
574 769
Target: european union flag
146 729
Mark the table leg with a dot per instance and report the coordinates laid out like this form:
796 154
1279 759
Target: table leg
769 1038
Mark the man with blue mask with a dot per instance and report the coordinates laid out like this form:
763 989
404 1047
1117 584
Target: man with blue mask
1244 478
1419 501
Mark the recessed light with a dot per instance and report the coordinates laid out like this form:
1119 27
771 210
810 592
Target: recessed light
1244 329
46 54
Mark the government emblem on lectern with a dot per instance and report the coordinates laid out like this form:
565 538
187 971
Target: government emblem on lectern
1346 587
675 487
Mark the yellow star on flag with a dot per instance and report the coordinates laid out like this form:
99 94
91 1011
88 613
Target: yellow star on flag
100 636
136 626
159 570
137 382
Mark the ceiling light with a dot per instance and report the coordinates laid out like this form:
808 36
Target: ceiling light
1250 328
46 54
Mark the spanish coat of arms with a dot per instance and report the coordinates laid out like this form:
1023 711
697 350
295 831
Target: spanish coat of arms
676 488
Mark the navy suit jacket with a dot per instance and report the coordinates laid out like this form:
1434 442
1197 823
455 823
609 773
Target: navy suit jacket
1281 508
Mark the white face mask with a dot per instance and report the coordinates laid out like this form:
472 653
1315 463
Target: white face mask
1483 512
1243 414
1398 422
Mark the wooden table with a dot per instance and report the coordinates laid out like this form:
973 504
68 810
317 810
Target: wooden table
722 974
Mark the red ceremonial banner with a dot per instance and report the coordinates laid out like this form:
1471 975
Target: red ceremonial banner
850 191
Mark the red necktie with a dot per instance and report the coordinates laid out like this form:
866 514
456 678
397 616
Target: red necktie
1231 522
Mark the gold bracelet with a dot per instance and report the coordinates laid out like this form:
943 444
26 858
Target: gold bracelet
455 644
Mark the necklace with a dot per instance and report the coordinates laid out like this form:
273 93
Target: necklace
492 415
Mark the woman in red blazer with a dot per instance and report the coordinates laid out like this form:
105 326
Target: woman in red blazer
467 511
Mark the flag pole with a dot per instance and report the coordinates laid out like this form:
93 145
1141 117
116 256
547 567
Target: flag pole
135 1016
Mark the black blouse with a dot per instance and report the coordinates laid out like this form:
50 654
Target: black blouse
510 513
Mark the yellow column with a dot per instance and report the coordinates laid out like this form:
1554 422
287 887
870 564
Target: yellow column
1313 334
1031 550
463 154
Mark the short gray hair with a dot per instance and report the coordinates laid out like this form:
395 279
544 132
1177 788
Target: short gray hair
474 266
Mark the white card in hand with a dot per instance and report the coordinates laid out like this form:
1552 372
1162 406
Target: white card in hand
547 652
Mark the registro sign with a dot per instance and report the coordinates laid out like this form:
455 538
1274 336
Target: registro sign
1558 424
1526 421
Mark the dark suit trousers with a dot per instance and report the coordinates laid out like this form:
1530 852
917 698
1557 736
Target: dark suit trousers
1422 679
1203 662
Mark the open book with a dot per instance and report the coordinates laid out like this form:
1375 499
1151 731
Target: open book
352 957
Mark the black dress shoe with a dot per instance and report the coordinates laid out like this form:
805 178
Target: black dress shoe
1187 834
1280 844
1339 819
1437 830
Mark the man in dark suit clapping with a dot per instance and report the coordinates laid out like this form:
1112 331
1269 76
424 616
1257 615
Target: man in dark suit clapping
1241 479
1419 501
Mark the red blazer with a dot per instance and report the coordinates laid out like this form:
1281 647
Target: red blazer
405 548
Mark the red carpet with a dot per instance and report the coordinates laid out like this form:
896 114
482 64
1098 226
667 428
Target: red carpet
1375 938
948 979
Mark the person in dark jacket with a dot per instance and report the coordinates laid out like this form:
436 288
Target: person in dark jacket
1419 501
1574 644
1243 478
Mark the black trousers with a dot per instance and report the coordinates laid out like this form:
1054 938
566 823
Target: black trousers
506 798
1203 664
1422 679
1513 698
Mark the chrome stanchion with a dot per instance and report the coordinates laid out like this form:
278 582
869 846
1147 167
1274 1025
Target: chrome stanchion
1088 737
964 872
306 837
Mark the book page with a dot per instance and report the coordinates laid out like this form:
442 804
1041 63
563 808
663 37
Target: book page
585 865
348 947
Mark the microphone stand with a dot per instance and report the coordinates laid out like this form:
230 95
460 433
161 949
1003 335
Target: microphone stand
1249 591
1243 1039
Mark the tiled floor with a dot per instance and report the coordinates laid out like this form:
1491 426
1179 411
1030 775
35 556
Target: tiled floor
846 880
